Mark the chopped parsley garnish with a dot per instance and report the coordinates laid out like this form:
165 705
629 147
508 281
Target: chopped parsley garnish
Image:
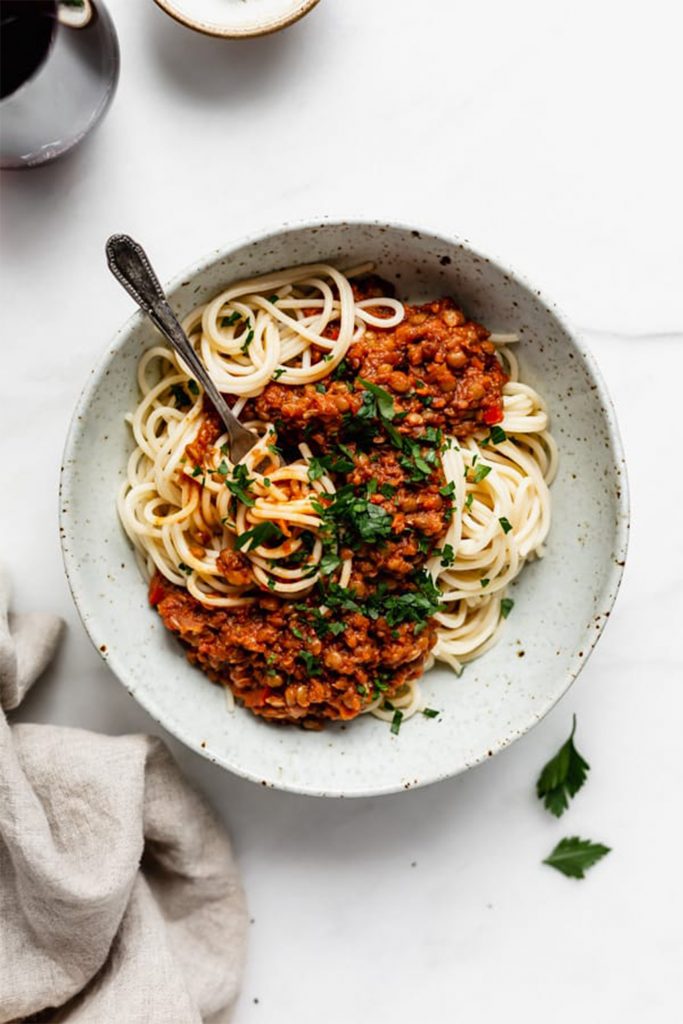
297 632
182 399
387 490
312 664
278 373
356 519
336 628
259 535
222 468
340 370
506 606
320 388
329 563
447 490
385 402
415 605
193 386
371 487
430 712
228 321
480 472
244 347
273 298
469 499
184 568
497 435
396 721
573 856
505 524
562 777
447 556
484 581
240 483
197 471
330 464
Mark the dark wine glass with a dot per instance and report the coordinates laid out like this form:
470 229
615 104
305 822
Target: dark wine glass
58 74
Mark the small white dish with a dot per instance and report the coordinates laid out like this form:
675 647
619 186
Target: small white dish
236 19
561 602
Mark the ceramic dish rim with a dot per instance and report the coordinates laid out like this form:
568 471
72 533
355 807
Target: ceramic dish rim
606 597
264 28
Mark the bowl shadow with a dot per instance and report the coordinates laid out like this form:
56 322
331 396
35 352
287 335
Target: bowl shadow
213 69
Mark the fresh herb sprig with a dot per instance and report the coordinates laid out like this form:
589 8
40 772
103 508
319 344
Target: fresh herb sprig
239 485
562 777
258 535
573 856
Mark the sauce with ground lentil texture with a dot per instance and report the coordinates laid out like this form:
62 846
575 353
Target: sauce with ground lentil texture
376 425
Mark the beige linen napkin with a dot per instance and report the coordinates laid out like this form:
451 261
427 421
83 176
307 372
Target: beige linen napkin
119 897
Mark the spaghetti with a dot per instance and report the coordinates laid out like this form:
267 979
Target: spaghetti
459 507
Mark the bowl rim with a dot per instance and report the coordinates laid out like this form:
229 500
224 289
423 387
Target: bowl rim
263 28
605 599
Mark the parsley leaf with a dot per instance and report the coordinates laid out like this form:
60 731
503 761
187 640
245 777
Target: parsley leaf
182 399
184 568
259 535
244 347
228 321
505 524
312 664
562 777
329 563
385 402
429 712
356 518
480 472
469 499
396 721
317 467
447 556
573 856
240 483
193 386
497 435
506 606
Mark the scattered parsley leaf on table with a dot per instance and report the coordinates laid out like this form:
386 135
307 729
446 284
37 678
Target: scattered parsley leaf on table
562 777
573 856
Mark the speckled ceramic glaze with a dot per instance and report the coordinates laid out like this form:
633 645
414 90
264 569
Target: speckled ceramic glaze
236 19
561 603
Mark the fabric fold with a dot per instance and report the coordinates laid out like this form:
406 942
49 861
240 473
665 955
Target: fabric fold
119 894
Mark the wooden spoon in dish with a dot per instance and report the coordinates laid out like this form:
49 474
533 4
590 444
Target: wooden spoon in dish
130 266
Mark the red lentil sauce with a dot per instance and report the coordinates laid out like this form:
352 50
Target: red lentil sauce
286 660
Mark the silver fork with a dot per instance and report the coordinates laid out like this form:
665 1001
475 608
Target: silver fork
130 266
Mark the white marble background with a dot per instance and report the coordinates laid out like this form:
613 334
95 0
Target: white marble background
548 134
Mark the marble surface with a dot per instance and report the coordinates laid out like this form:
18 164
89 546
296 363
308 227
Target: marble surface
547 137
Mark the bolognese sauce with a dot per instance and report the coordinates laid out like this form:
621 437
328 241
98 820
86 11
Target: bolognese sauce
376 425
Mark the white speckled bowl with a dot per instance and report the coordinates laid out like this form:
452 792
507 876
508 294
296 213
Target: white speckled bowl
561 603
236 19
